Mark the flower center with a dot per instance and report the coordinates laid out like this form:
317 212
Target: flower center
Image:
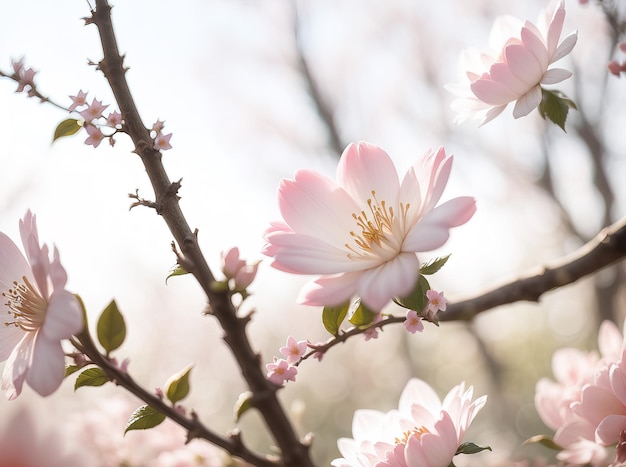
417 431
26 305
378 227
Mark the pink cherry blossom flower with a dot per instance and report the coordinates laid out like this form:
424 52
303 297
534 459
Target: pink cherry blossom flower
413 322
362 232
158 126
436 301
293 350
281 371
95 135
423 431
114 119
581 398
515 66
93 110
78 100
238 270
162 142
37 314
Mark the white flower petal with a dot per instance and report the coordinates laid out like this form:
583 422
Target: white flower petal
64 317
329 290
527 102
47 365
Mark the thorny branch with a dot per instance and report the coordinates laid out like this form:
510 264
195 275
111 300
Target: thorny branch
293 452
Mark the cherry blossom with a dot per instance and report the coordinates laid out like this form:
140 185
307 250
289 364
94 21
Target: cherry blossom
93 110
281 371
24 76
293 350
436 301
162 142
38 313
78 100
362 232
234 268
423 431
413 322
514 67
95 135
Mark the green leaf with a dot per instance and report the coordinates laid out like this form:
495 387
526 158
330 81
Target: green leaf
243 404
544 440
66 128
554 106
362 316
71 369
433 266
91 377
176 271
416 300
471 448
177 385
111 328
333 316
143 418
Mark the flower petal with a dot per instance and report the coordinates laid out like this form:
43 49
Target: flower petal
64 317
314 205
379 285
47 367
330 290
16 366
526 103
492 92
366 168
555 75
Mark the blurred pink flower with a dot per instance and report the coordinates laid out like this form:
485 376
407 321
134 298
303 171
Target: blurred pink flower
100 432
361 233
162 142
238 270
23 443
423 431
37 315
515 66
581 398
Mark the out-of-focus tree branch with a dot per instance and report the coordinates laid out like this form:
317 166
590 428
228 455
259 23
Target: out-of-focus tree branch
323 109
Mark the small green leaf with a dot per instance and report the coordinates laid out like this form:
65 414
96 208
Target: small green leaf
143 418
554 106
471 448
243 404
362 315
333 316
66 128
544 440
111 328
91 377
433 266
177 385
71 369
416 300
176 271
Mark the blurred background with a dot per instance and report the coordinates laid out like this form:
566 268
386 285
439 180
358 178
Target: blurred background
254 90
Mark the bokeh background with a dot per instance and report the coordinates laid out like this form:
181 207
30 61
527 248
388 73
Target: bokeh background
254 90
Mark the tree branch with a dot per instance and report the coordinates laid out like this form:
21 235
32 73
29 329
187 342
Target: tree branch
294 453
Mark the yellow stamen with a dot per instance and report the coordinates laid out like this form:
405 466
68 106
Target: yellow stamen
417 431
26 305
376 226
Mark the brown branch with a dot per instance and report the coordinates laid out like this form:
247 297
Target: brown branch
293 452
606 248
233 443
